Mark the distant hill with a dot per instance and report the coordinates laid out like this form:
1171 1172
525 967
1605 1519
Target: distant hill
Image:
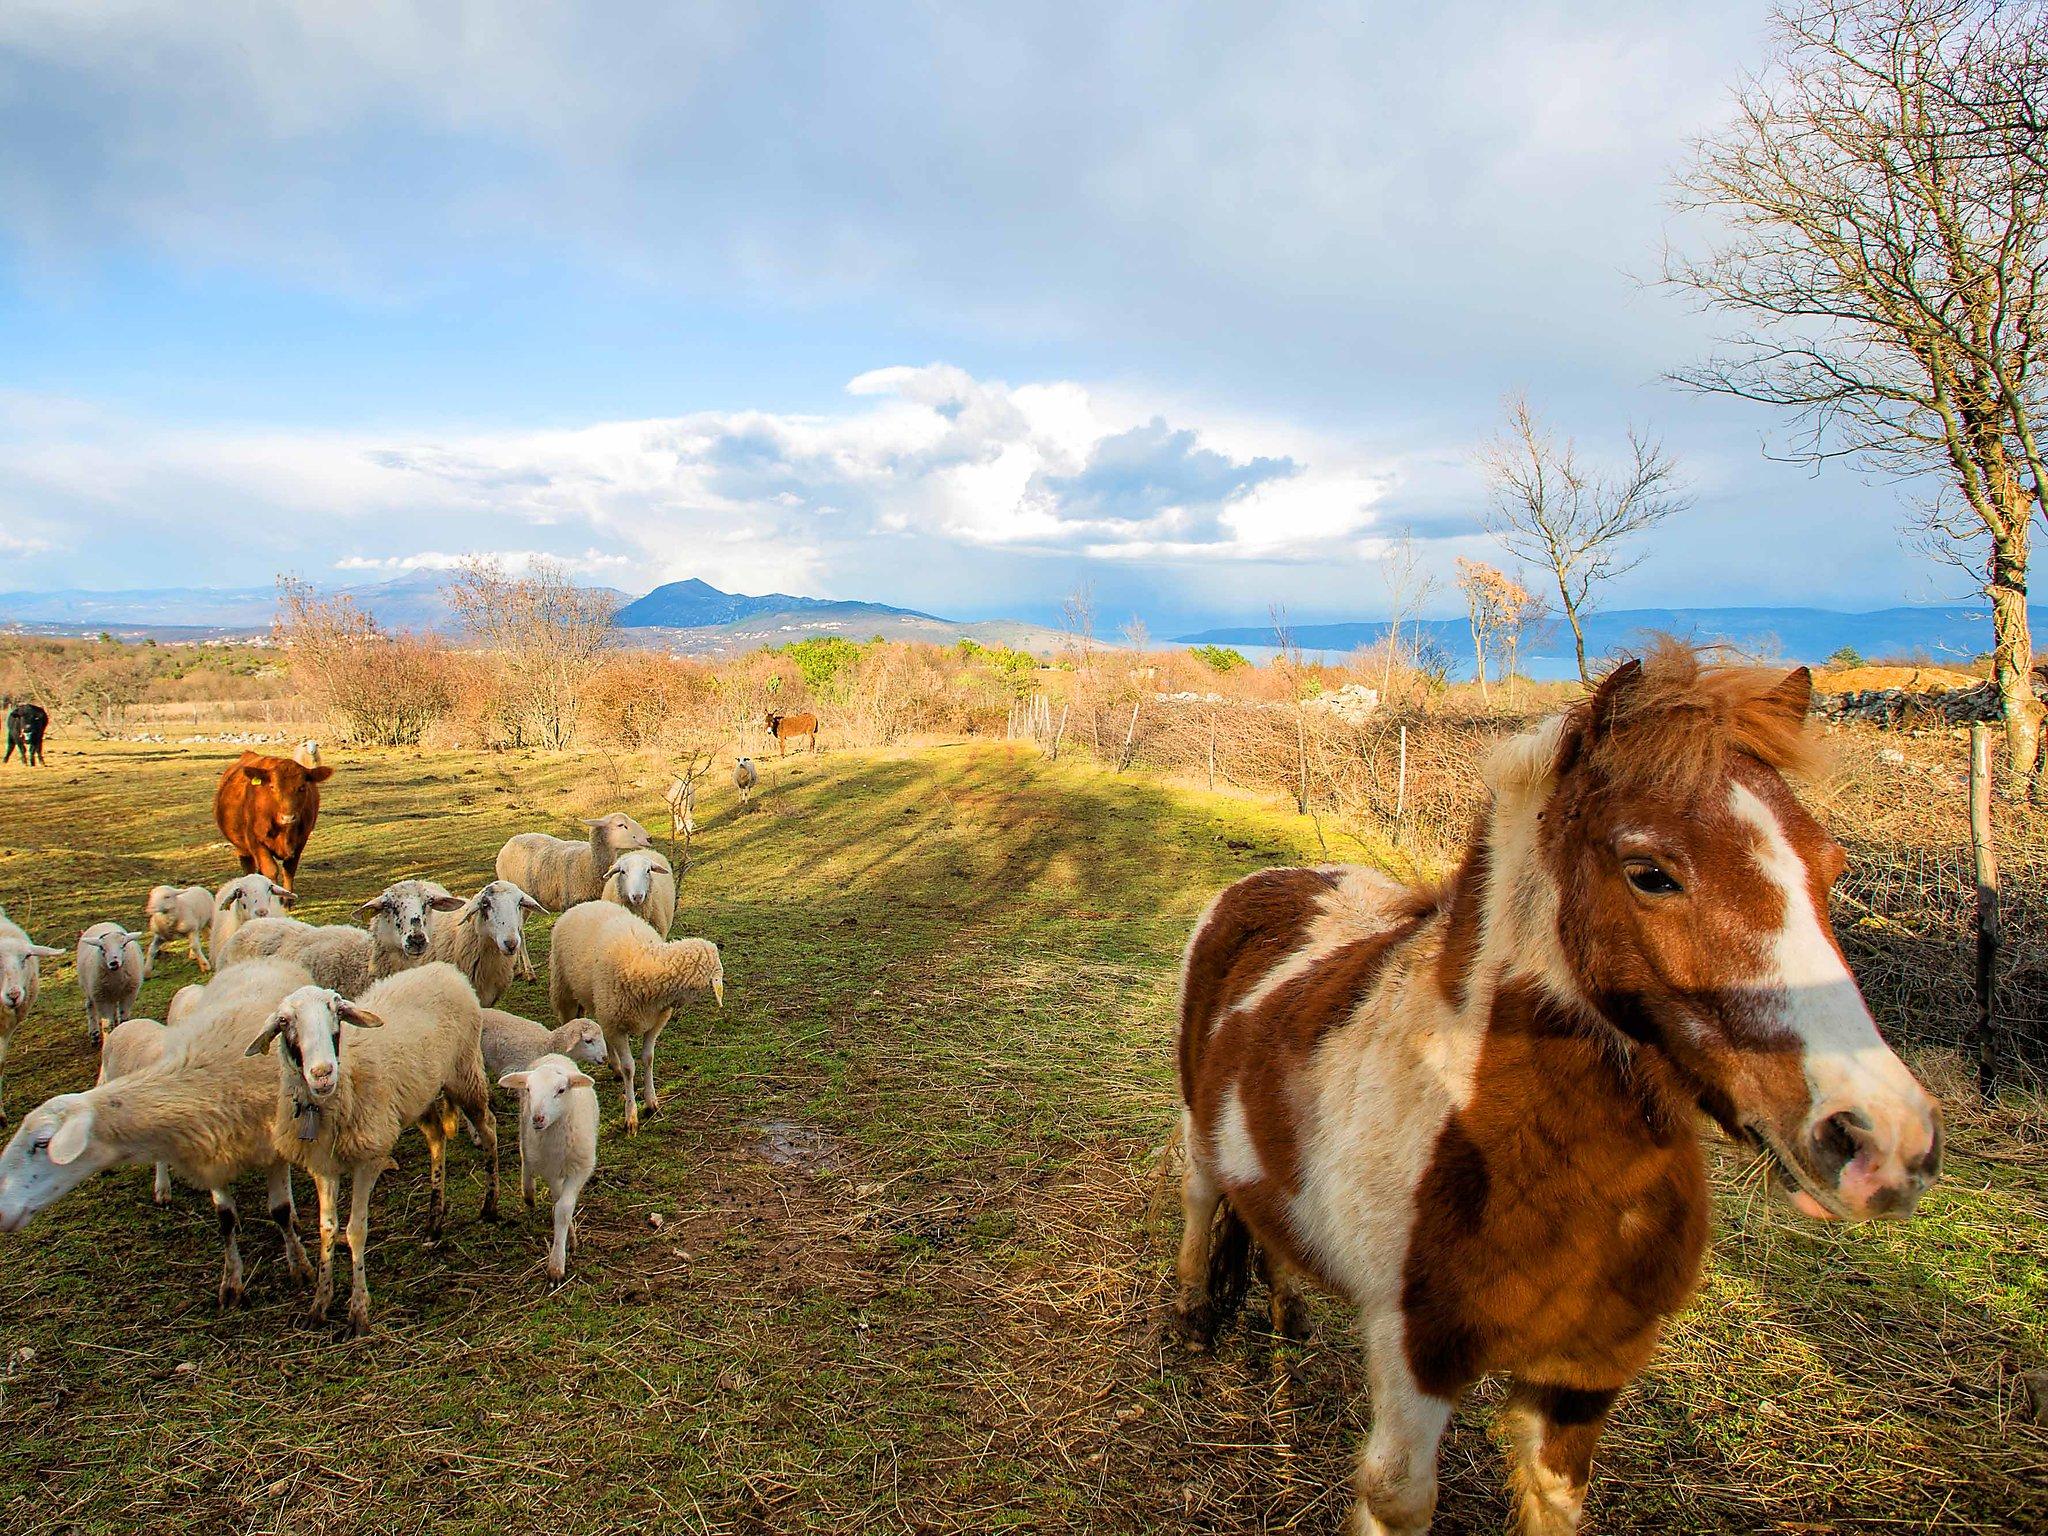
695 604
1951 633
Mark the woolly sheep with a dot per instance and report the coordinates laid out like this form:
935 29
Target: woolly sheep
744 777
202 1108
129 1047
243 898
20 980
483 938
182 1001
512 1044
344 958
352 1075
109 975
175 913
557 1141
307 754
643 883
609 965
559 873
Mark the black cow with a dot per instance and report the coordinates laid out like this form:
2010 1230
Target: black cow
25 726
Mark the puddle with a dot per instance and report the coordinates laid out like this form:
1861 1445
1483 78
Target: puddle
792 1144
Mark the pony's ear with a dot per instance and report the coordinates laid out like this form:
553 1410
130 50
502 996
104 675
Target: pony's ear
1607 698
71 1136
1791 698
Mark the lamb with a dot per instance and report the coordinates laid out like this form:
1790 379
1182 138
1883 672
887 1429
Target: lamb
744 777
20 980
344 1096
642 882
484 938
609 965
129 1047
349 959
512 1044
109 974
202 1108
243 898
559 873
174 913
557 1141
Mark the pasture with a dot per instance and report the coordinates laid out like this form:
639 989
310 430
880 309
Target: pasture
886 1261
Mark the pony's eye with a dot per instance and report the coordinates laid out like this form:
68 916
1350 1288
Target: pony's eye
1651 880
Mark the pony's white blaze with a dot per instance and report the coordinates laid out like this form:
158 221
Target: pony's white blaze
1849 1069
1237 1160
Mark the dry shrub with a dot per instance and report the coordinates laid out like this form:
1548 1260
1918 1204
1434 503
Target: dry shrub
643 699
376 689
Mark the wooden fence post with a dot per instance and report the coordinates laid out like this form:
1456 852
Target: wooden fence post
1989 934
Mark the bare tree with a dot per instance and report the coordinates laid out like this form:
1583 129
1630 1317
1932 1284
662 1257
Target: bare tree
550 633
1552 510
1884 188
1501 611
1410 585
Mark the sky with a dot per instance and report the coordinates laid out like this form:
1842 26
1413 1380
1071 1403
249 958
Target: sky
953 306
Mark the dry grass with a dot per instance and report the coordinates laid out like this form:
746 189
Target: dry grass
885 1262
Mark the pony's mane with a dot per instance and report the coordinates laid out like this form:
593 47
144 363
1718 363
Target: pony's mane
1670 721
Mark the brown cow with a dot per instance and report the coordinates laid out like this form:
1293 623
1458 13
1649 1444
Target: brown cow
266 807
788 728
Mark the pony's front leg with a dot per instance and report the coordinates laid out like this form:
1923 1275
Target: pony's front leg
1199 1197
1553 1430
1397 1470
362 1181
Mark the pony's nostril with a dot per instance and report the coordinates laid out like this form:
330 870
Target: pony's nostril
1836 1141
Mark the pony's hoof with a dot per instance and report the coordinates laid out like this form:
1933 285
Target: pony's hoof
1197 1322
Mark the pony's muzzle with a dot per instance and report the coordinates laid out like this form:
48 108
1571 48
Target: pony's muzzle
1876 1159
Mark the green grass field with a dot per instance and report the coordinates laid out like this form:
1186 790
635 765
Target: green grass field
884 1262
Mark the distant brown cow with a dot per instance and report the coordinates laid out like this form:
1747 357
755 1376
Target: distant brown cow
788 728
266 807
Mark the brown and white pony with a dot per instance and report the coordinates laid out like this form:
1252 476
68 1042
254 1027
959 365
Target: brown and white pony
788 728
1472 1112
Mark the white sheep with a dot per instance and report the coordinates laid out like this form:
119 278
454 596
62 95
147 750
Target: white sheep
681 796
307 754
177 913
203 1108
512 1044
352 1075
557 1141
609 965
483 937
20 980
344 958
744 777
129 1047
557 872
109 975
243 898
182 1002
643 883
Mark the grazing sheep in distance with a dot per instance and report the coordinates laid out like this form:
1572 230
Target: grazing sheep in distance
512 1044
643 883
109 975
307 753
608 965
351 1076
559 873
203 1108
20 980
557 1141
344 958
175 913
744 777
243 898
484 937
129 1047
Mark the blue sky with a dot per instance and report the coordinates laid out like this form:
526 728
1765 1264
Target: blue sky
951 306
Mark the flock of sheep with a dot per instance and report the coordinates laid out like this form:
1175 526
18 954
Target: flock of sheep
315 1048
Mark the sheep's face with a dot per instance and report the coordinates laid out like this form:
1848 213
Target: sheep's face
110 948
544 1089
399 916
634 874
618 830
588 1046
254 896
499 911
308 1029
51 1155
20 970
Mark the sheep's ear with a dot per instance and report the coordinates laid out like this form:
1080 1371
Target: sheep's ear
447 903
262 1042
289 897
72 1136
612 871
530 905
46 952
357 1015
581 1080
718 988
234 898
660 867
369 906
516 1081
470 909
